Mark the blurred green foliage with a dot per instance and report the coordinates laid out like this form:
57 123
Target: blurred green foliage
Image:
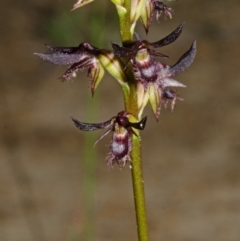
70 29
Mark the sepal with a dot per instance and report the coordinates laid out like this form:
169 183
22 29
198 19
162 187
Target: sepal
113 65
81 3
96 74
137 7
146 15
185 61
155 99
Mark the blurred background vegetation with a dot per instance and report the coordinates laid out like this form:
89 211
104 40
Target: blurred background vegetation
55 186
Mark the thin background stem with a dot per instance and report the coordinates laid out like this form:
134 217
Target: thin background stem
89 156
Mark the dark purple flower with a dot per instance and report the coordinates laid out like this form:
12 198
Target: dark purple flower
85 56
155 78
123 130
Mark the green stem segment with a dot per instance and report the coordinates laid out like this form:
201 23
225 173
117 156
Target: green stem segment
125 23
137 174
131 105
138 187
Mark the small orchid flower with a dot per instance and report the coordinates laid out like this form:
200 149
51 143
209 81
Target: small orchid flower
152 7
123 130
133 49
85 56
154 78
82 57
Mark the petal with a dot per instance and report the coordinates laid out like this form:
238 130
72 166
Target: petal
102 136
153 52
139 125
129 121
167 82
96 74
142 96
71 71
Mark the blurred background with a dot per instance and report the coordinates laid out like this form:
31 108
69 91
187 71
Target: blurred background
55 186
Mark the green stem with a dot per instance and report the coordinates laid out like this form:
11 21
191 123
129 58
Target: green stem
131 105
138 187
137 174
125 23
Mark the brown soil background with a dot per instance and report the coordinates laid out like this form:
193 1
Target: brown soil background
191 157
